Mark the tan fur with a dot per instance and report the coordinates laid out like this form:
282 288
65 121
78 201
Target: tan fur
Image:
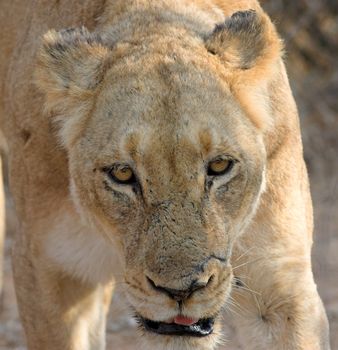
2 229
166 87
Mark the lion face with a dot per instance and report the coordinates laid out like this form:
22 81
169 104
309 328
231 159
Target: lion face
167 164
146 166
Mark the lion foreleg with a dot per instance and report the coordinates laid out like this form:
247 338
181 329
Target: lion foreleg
279 308
58 311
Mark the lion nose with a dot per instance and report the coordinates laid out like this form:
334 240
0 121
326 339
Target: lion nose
180 294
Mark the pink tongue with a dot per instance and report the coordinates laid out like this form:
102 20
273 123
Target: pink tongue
184 321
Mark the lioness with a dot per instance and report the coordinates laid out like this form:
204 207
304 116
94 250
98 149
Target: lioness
165 133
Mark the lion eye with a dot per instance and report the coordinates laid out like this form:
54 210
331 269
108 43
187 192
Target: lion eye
219 166
122 174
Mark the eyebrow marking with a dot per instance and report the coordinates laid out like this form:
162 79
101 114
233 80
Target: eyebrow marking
205 138
131 145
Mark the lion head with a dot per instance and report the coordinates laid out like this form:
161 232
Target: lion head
164 131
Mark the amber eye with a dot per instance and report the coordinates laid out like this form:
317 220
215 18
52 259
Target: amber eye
122 174
219 166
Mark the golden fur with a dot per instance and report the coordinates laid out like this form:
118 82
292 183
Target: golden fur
2 228
165 87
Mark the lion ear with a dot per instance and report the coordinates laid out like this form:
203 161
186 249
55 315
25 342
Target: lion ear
70 65
71 58
247 40
250 49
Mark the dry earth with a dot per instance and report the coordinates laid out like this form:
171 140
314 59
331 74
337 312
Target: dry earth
310 29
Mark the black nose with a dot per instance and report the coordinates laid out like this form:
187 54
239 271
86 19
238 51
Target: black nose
179 294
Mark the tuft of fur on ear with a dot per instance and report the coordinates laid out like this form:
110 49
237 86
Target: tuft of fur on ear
70 65
250 48
245 40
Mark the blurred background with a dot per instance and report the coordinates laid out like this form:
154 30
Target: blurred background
310 32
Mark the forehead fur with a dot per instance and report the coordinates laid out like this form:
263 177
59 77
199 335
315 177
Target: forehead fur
164 100
239 55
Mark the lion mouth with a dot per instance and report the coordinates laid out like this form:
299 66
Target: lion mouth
201 328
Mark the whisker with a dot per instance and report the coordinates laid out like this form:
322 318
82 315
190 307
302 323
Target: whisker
246 252
258 305
230 309
246 263
253 294
233 307
234 303
276 305
248 289
244 277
